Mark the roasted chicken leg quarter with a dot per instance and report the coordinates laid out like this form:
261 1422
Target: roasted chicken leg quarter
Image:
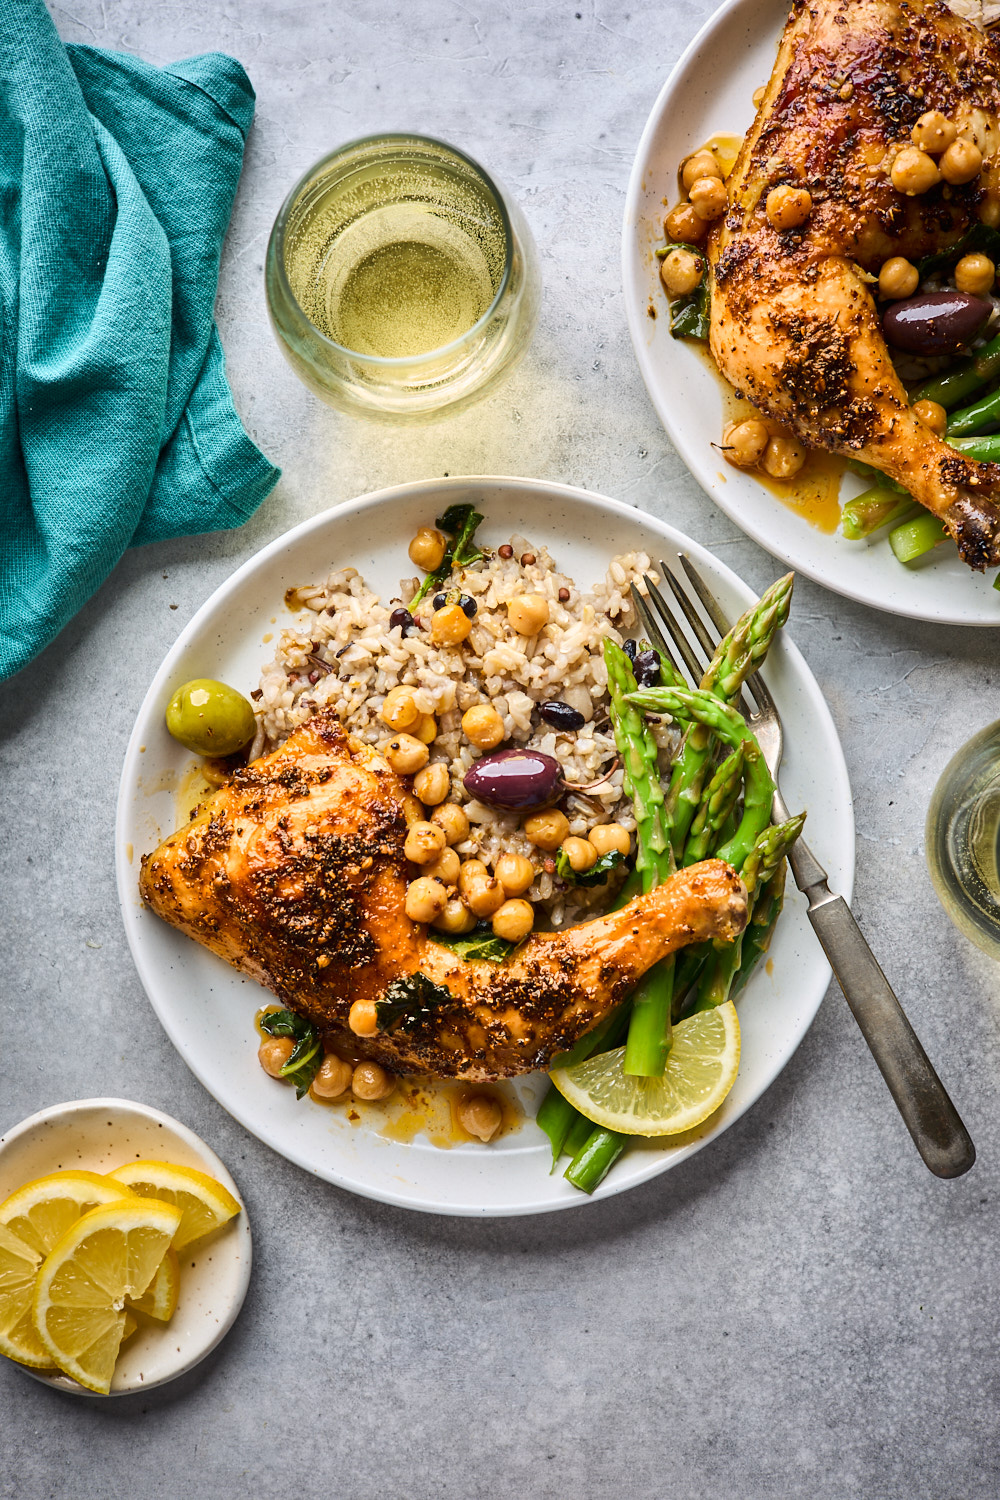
793 323
294 873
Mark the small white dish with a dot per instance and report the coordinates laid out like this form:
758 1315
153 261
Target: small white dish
96 1135
710 93
207 1008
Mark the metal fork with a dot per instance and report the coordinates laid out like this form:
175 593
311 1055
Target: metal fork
928 1113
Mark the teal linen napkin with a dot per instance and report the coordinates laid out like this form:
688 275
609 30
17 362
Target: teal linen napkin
117 425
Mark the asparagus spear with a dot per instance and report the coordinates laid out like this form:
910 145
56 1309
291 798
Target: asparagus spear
760 929
648 1041
913 538
712 715
762 861
951 389
974 418
715 807
738 654
877 507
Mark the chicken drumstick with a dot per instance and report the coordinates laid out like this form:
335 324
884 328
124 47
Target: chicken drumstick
294 873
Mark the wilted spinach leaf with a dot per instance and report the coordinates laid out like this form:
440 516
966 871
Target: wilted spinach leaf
411 1002
306 1056
596 875
481 943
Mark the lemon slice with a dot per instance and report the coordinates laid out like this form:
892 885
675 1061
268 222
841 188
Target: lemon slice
159 1300
204 1203
18 1266
37 1216
109 1254
40 1212
701 1069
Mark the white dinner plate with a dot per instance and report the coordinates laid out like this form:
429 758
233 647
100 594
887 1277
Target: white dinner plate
208 1008
710 92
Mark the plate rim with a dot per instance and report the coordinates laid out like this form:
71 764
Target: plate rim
635 319
152 699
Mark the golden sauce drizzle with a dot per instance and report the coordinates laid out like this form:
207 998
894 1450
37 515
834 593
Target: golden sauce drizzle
192 791
814 492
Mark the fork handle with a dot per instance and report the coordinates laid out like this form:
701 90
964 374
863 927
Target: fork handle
921 1098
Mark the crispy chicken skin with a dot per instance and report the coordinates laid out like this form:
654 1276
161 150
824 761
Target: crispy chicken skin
294 873
793 323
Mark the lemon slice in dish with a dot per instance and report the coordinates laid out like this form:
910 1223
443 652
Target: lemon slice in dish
159 1300
701 1069
204 1203
40 1212
79 1303
35 1218
18 1267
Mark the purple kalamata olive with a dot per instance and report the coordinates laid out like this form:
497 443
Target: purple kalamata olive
515 780
402 618
647 669
936 322
523 780
561 716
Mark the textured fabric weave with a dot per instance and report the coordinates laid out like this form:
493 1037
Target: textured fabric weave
117 425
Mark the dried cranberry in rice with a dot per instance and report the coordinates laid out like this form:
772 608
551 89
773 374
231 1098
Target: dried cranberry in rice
647 669
561 715
402 618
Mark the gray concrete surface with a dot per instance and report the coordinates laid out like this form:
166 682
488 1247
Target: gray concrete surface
801 1310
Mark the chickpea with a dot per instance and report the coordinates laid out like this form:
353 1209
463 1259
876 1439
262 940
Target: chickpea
481 891
456 917
432 784
975 273
914 172
426 730
453 820
483 726
400 709
445 868
743 443
515 873
683 224
514 920
362 1018
372 1082
424 843
406 754
333 1078
608 836
933 415
962 161
427 549
788 207
481 1116
548 829
450 625
701 164
709 198
425 899
989 211
273 1053
681 272
528 613
783 457
580 853
933 132
898 278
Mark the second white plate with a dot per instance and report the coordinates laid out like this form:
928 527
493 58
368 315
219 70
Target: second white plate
208 1008
710 92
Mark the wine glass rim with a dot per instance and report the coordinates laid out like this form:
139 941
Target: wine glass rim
275 249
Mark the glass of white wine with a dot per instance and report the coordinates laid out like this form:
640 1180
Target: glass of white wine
402 283
963 839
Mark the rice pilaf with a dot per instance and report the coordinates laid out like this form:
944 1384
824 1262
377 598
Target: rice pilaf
342 654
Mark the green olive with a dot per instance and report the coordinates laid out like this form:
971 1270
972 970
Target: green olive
210 718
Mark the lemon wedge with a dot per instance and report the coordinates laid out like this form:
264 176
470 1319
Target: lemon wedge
40 1212
37 1216
18 1266
159 1300
701 1069
204 1203
78 1308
